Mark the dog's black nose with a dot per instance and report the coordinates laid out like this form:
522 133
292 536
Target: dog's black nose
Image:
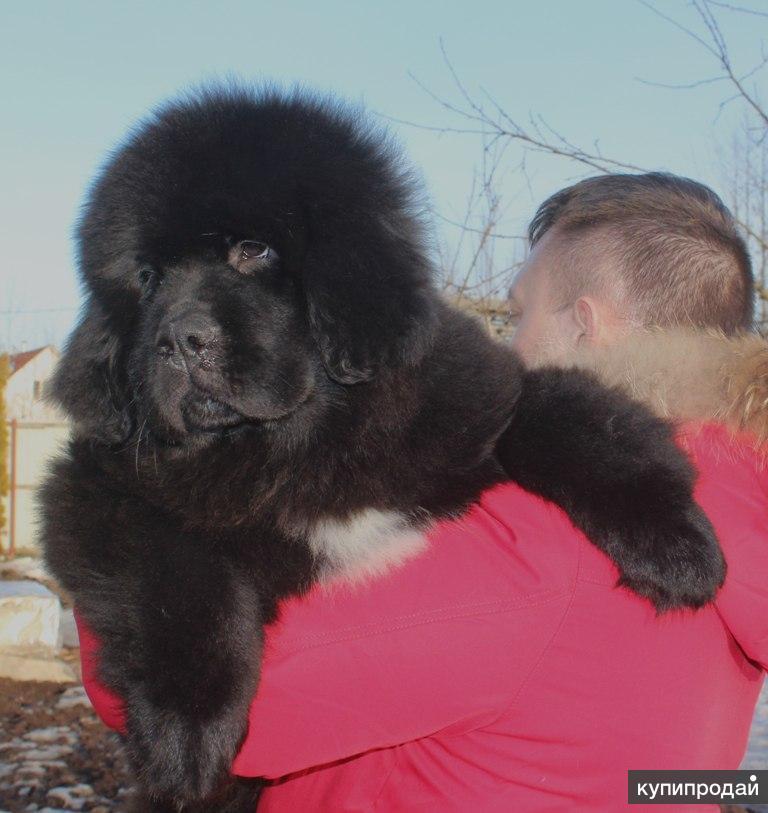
194 334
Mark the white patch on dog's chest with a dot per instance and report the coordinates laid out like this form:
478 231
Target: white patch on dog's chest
368 543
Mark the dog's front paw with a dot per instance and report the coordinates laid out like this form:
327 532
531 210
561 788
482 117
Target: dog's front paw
178 759
676 562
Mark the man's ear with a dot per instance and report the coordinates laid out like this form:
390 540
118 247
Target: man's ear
89 384
370 303
587 320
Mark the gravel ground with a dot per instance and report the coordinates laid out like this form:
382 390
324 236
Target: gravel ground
55 754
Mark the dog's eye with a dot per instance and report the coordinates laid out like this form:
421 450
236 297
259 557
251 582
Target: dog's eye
149 279
250 250
251 256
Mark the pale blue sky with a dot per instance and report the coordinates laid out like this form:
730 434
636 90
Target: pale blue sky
74 75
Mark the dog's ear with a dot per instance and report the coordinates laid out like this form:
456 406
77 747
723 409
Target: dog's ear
88 383
371 302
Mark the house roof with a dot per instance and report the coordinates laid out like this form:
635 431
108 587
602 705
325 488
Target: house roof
18 360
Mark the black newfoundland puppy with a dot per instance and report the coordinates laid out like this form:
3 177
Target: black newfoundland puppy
267 389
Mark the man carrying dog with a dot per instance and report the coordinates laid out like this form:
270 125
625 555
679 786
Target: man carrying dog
502 668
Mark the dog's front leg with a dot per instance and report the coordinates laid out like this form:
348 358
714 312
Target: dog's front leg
614 467
199 636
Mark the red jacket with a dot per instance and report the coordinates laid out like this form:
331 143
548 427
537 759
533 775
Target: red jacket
502 670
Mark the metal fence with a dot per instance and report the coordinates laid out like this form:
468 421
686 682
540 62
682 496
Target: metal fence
31 446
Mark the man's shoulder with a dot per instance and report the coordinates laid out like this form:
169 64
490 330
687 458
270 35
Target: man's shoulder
732 488
511 550
732 480
714 447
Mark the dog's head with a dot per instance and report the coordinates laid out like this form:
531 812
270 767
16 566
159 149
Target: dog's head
240 247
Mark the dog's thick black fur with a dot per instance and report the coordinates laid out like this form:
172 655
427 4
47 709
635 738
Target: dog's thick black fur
267 389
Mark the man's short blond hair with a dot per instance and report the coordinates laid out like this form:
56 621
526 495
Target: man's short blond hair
673 243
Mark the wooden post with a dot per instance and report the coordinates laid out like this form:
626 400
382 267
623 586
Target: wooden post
12 517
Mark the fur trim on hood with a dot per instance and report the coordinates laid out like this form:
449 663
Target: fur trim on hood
691 376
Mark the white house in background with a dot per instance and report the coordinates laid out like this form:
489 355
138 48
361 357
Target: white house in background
30 372
37 434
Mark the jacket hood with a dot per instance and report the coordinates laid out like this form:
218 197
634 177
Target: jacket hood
687 375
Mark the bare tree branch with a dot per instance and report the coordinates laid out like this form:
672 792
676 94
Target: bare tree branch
739 9
717 46
483 115
464 227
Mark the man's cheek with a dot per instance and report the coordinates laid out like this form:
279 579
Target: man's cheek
529 337
520 339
